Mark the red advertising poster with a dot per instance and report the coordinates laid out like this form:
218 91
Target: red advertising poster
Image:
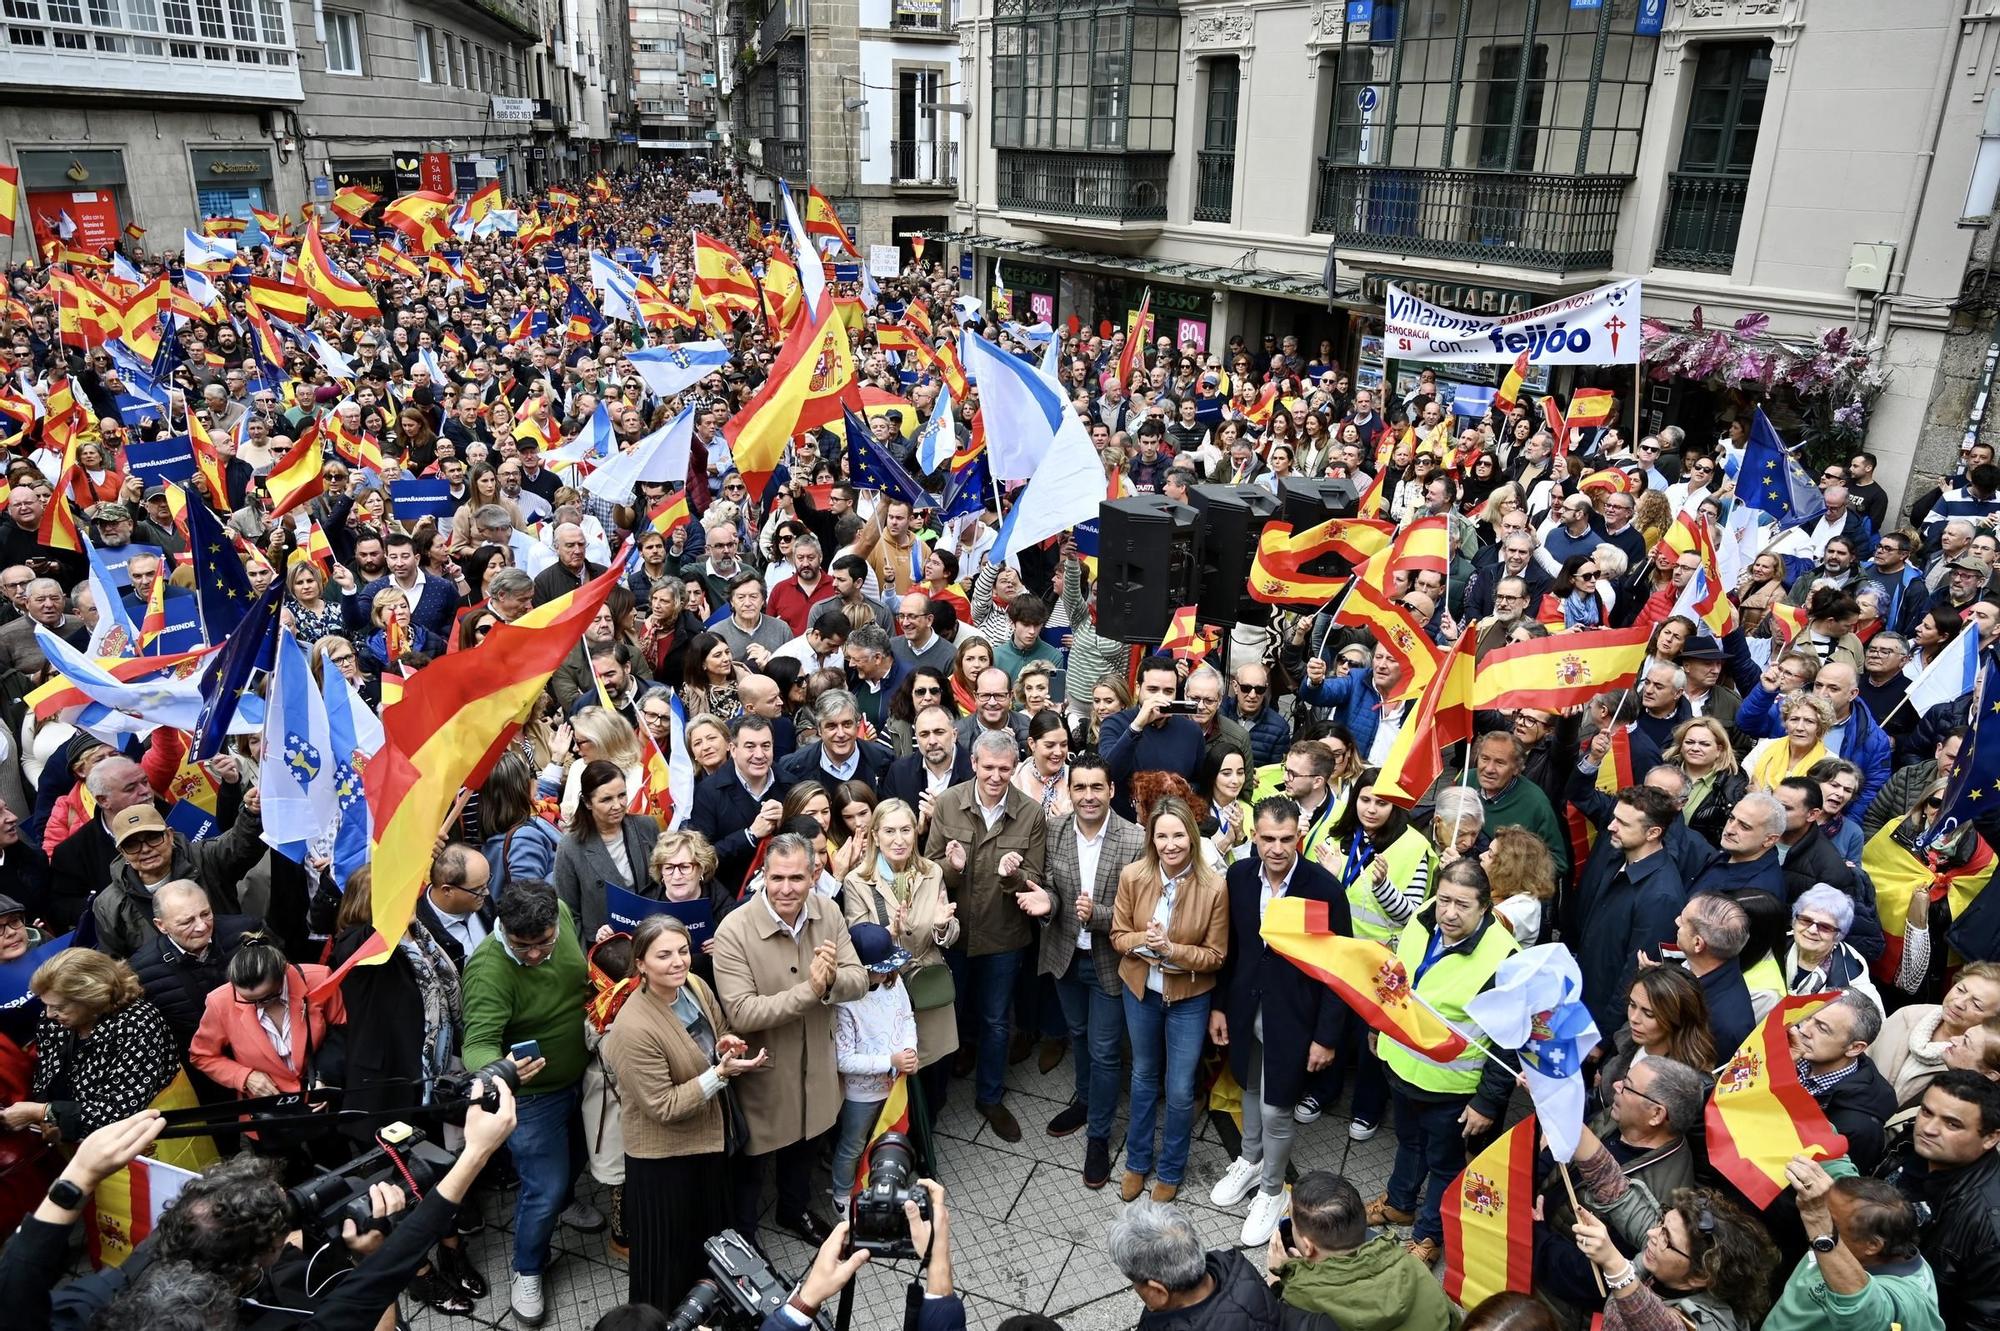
95 212
437 173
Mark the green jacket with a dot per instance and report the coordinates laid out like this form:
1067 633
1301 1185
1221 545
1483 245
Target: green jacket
1377 1287
1525 805
507 1003
1903 1295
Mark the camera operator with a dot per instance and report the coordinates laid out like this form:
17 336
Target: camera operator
941 1310
234 1221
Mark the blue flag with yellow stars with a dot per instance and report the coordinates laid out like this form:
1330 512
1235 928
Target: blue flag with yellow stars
252 648
970 489
1972 782
1771 480
221 587
870 467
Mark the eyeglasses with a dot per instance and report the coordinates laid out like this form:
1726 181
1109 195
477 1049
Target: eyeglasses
677 868
142 839
1253 688
1649 448
926 691
1807 924
1704 1224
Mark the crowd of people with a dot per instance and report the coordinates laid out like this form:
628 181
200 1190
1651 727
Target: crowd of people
940 824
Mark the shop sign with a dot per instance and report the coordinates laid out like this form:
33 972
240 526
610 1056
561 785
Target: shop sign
94 213
85 168
231 165
1464 297
437 173
409 164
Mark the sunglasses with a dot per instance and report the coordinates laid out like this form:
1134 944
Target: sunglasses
1253 688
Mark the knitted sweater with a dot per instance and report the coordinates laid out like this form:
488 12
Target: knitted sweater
507 1003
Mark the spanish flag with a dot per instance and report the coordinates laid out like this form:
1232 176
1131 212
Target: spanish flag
1759 1116
10 199
1440 719
1135 338
1685 535
484 201
330 288
1368 977
1611 480
287 302
877 401
895 1117
295 478
58 530
1184 636
1275 571
1489 1220
1375 498
1509 391
58 692
1424 545
133 231
822 220
1898 875
1259 412
653 795
395 261
1561 670
1558 430
953 370
142 319
351 203
720 276
782 299
813 357
562 198
599 187
1369 608
155 621
453 717
423 216
670 515
1787 621
1614 774
1590 407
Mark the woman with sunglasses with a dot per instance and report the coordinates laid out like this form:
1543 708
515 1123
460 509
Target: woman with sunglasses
1919 894
1579 591
922 687
1702 1261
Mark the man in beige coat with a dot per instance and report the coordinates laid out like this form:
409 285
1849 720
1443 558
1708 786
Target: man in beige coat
782 960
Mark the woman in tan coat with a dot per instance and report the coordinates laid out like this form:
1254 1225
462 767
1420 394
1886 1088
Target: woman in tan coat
782 960
1170 926
672 1055
896 887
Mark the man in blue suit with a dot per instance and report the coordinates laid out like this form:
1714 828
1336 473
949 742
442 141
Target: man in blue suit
433 601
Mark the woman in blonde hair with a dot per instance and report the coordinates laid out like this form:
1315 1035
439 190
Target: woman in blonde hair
683 865
602 735
1170 927
1523 876
897 888
102 1052
1806 718
1702 751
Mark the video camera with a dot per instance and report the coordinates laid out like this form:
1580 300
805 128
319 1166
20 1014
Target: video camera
320 1205
740 1293
875 1218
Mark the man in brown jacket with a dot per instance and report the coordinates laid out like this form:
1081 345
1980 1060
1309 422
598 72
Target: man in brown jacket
992 841
782 960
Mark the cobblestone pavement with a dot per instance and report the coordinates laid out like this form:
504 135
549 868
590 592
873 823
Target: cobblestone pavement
1027 1236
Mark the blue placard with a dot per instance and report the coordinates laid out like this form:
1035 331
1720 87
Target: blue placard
15 974
625 909
361 235
162 460
965 267
1586 4
114 558
136 409
847 272
415 499
191 821
1652 17
553 261
183 632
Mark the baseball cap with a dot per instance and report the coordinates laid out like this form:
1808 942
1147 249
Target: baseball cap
1970 564
128 823
113 512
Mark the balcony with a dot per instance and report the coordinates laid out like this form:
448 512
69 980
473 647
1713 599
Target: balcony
1704 214
1555 223
1214 185
923 162
785 18
786 156
1100 187
924 18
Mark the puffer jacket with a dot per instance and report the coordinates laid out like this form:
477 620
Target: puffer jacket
1241 1301
178 984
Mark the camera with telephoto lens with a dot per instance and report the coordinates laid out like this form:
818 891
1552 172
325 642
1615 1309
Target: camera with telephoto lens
319 1205
741 1291
875 1218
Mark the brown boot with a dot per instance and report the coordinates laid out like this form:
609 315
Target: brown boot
1050 1055
1166 1192
1131 1186
1380 1213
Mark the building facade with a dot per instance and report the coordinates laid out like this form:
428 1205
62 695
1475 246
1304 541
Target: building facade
675 79
1805 160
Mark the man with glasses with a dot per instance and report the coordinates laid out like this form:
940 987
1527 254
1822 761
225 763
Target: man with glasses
1250 705
521 986
1619 530
457 906
794 598
151 854
993 711
1649 451
917 641
14 580
1220 734
1909 594
1513 557
1840 518
1653 1106
1573 529
1830 1048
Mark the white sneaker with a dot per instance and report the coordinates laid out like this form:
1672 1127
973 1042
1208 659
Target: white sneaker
1361 1130
1307 1110
526 1298
1236 1183
1262 1222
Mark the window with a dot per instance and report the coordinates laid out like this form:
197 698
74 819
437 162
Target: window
647 45
1102 79
423 53
791 104
1707 191
343 41
1502 85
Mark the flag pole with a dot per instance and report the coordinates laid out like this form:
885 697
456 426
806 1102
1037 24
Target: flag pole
1471 1042
1576 1208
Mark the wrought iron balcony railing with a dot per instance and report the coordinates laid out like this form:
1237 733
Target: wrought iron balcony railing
1111 187
1704 214
1559 223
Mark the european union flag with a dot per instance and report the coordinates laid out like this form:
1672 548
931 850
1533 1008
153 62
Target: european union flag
870 467
220 584
970 490
252 647
1770 479
579 307
1972 783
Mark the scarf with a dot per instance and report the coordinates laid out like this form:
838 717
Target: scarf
1583 609
1774 764
437 984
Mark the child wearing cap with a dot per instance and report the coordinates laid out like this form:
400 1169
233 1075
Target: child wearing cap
875 1041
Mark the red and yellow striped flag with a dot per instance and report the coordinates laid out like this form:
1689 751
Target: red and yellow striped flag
1589 407
1489 1220
1276 576
1787 621
814 364
895 1117
1611 480
1424 545
1759 1116
1368 977
1442 718
1511 383
59 530
1368 608
1616 772
1561 670
670 515
10 199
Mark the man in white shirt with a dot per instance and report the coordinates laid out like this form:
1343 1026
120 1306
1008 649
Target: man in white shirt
821 646
457 907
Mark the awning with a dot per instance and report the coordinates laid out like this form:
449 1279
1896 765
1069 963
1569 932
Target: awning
1249 280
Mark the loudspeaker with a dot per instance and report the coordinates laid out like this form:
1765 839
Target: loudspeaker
1232 518
1309 502
1145 566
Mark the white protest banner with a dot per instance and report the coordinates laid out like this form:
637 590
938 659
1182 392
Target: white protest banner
1595 327
884 260
701 196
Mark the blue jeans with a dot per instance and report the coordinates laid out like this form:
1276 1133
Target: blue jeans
1096 1041
992 1001
540 1144
1430 1152
857 1120
1166 1040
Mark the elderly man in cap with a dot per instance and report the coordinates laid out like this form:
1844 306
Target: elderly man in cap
156 525
151 855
